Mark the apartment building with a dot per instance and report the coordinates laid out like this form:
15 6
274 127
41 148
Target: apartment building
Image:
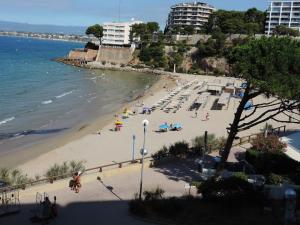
194 14
117 33
283 12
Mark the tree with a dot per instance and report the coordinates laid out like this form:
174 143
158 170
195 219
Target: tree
176 29
233 26
230 22
270 67
283 30
251 28
96 30
152 27
189 30
144 31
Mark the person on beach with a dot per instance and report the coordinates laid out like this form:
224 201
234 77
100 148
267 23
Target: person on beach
207 116
196 113
76 182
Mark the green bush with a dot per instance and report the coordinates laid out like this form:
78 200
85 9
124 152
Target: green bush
212 142
179 149
271 143
162 153
75 166
271 162
241 175
13 177
275 179
65 169
153 194
232 189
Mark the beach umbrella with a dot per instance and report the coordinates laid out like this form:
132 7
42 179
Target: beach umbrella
164 127
118 122
177 126
248 105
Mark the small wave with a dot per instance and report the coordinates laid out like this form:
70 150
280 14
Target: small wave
47 102
6 120
63 94
91 99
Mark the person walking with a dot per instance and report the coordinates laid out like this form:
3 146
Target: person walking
76 182
196 113
207 117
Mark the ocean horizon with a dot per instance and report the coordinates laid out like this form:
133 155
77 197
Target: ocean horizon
40 97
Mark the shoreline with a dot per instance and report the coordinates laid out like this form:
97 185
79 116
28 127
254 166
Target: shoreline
38 38
100 66
111 146
21 155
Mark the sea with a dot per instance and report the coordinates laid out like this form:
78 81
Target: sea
41 98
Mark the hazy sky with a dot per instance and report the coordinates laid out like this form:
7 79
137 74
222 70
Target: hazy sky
86 12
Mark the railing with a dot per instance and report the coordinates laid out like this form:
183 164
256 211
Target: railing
23 186
67 175
247 139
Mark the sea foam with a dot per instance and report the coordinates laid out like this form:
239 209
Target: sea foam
6 120
47 102
64 94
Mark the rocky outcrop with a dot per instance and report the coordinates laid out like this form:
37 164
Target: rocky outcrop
217 65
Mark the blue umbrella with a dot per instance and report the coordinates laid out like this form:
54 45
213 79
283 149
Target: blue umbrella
177 126
244 85
248 105
164 127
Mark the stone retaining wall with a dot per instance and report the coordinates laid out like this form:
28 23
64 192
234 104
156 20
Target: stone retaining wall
89 55
114 55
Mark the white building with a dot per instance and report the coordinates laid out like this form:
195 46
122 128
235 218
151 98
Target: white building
194 14
283 12
117 34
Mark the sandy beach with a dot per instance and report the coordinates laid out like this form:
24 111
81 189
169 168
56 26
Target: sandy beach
26 152
111 146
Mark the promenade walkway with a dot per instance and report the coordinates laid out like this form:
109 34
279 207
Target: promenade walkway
96 203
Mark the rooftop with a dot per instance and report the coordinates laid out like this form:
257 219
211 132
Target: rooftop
190 4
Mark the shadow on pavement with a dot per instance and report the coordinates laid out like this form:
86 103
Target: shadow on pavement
79 213
179 169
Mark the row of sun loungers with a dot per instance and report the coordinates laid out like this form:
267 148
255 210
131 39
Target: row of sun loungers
167 103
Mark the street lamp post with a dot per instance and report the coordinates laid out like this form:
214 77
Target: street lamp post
143 153
133 148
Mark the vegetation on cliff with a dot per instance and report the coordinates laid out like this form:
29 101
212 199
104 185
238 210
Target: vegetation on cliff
237 22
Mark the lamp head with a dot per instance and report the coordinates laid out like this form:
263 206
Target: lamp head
145 123
143 152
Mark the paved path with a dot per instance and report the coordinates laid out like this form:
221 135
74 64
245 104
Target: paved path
95 204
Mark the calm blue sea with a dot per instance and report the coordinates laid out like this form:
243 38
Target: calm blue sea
39 97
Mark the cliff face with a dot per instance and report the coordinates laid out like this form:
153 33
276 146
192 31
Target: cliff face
124 56
217 65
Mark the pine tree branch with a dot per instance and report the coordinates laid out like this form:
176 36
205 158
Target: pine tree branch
260 121
260 116
269 104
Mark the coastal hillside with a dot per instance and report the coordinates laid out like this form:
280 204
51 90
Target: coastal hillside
41 28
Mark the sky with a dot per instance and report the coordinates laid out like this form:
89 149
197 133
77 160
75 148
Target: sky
87 12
